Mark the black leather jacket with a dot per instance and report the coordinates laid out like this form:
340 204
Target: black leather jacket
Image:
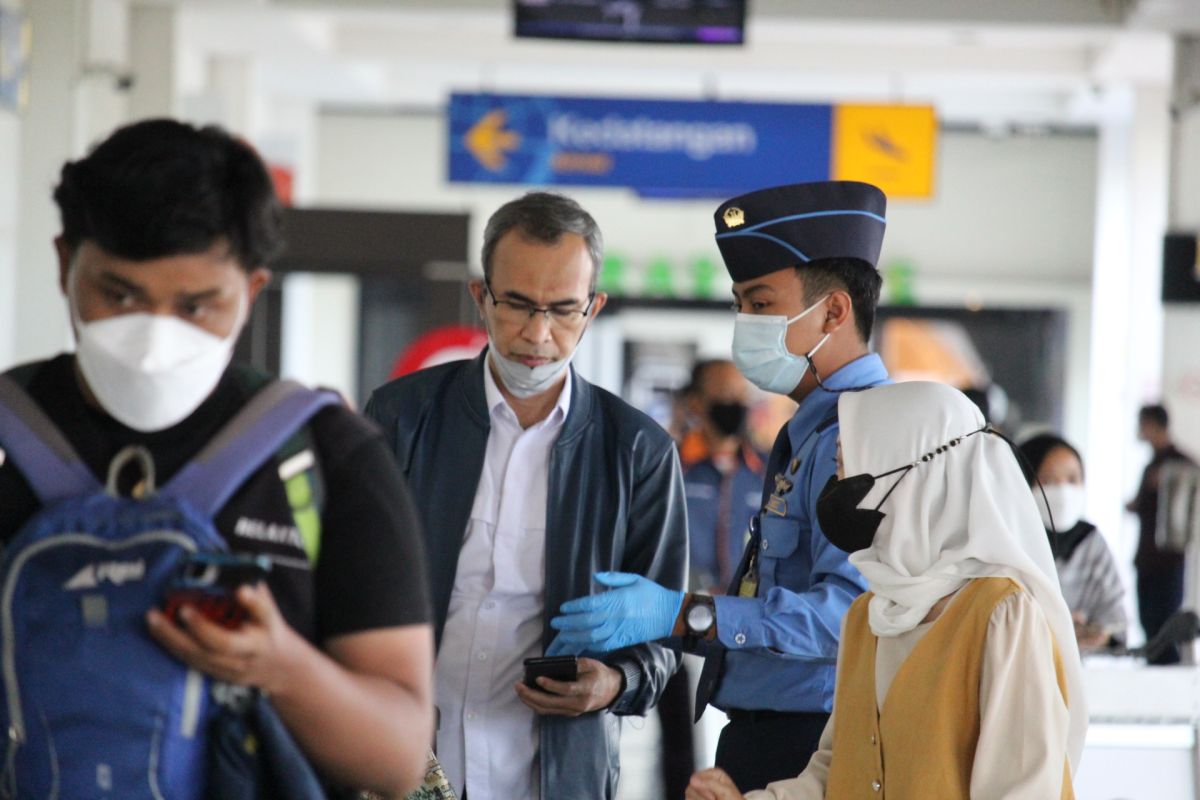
615 502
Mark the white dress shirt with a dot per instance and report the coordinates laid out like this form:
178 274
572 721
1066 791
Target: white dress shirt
487 738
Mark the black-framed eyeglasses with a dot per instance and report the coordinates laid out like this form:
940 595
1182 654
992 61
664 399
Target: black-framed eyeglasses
514 312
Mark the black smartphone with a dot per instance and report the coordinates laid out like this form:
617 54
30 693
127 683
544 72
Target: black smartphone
207 581
556 668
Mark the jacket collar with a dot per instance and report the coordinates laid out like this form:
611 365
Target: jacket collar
474 399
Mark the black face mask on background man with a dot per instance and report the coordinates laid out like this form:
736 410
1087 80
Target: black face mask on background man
727 418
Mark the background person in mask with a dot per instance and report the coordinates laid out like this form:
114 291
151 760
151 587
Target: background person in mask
530 480
1087 570
724 487
958 676
802 258
166 234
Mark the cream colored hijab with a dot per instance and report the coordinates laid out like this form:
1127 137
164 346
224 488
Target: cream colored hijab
965 513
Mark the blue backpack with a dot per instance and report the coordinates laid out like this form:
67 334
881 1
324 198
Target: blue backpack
93 707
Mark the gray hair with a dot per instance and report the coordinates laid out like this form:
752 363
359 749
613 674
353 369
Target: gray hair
544 217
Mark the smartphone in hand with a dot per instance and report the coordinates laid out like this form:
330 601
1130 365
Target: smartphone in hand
557 668
209 581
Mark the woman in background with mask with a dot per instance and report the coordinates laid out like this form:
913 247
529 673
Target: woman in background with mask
957 676
1086 567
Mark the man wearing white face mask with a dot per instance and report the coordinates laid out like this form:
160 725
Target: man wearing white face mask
1091 584
166 233
529 481
802 258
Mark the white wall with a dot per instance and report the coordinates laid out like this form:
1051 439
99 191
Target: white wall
10 131
10 167
1181 364
74 100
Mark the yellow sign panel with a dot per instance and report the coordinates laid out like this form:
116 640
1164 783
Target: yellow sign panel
892 147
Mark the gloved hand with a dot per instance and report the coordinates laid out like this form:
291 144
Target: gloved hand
636 610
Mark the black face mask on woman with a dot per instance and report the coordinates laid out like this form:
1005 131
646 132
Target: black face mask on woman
851 528
844 524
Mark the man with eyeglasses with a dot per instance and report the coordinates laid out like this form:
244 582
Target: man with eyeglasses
528 481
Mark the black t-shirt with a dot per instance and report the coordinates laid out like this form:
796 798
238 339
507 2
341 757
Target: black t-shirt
369 572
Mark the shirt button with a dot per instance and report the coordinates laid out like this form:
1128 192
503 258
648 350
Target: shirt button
482 656
876 786
470 716
489 605
740 638
872 738
765 544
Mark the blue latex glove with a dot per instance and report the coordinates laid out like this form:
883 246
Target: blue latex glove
636 610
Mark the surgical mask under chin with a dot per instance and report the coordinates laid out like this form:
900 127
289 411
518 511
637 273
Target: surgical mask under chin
525 381
760 351
150 371
1066 503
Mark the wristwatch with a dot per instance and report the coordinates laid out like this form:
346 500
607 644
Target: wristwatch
700 616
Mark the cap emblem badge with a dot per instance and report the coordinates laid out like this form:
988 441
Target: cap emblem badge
734 217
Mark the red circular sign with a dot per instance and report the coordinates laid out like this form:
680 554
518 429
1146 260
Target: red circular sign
440 345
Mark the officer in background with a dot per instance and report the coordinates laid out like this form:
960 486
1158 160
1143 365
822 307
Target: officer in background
723 488
802 258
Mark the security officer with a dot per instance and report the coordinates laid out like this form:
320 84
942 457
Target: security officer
802 258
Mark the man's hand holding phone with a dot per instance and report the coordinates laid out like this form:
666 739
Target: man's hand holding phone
261 650
209 581
595 687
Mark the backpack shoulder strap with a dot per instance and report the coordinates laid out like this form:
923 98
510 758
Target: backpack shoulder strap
38 448
270 418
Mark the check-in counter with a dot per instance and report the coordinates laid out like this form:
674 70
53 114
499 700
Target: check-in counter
1142 741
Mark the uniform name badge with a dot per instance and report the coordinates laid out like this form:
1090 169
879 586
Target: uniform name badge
777 502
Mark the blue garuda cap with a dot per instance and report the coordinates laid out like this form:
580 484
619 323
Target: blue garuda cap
786 226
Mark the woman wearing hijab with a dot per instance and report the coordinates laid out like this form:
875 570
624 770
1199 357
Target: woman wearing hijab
958 675
1087 570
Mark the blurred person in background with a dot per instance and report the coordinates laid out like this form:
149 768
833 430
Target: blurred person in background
686 428
725 487
1087 570
1159 572
723 483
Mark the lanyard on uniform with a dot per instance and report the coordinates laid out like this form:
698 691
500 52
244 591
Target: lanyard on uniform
776 505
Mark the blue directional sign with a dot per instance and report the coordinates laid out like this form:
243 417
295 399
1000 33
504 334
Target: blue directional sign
658 147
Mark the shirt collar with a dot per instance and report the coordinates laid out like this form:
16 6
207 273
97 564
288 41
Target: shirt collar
498 405
821 403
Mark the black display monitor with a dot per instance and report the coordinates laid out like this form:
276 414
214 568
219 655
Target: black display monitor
663 21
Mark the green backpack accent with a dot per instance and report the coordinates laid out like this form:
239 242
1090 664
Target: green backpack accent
305 488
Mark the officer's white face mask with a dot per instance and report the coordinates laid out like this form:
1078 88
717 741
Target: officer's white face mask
1066 501
151 371
760 350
